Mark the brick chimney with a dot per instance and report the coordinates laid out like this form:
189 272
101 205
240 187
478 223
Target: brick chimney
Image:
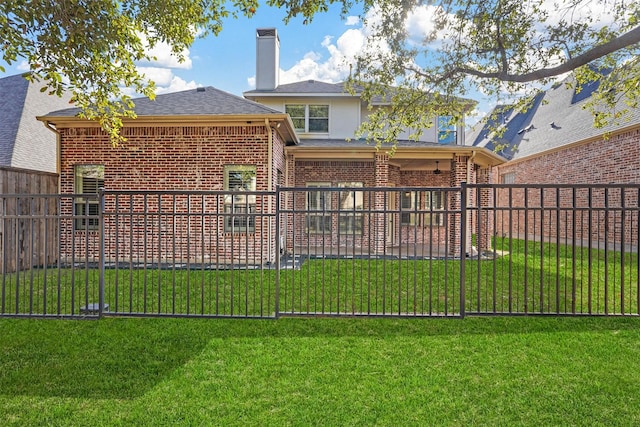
267 59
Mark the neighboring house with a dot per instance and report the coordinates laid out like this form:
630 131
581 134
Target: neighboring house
326 117
555 142
27 149
291 135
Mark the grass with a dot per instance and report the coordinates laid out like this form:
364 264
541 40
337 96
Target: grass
327 371
530 277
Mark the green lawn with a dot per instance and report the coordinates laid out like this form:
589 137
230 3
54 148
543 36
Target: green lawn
323 371
532 277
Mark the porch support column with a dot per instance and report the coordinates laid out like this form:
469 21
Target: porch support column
458 175
485 227
380 201
286 202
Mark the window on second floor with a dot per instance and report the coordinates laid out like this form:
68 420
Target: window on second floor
309 118
446 130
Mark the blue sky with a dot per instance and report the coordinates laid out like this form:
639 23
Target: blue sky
319 50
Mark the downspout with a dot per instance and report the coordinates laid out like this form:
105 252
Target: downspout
468 245
267 125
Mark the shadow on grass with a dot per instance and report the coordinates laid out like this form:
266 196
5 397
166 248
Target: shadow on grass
124 358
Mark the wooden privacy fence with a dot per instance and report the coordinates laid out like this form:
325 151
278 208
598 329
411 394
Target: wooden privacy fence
27 242
420 252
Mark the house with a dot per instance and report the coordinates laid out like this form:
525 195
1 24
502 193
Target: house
325 117
27 150
294 135
200 139
555 142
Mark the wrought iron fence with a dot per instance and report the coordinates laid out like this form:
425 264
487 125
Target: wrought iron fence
432 252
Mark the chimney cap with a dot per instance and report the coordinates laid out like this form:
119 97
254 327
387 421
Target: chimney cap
267 32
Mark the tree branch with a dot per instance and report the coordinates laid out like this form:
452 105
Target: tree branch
629 38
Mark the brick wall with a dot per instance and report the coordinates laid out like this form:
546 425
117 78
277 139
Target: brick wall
175 158
615 160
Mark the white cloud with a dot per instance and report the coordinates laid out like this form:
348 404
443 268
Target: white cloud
164 57
160 76
176 85
352 20
23 66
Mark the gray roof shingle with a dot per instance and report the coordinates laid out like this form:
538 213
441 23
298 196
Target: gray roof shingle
13 91
557 118
304 87
24 141
203 101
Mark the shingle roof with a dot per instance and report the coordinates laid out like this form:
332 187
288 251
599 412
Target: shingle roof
304 87
13 91
202 101
557 118
358 143
24 141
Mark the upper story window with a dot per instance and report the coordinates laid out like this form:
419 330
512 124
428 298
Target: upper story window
88 180
309 118
447 133
240 208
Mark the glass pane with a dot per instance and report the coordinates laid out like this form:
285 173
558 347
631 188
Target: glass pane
318 125
298 123
318 111
295 111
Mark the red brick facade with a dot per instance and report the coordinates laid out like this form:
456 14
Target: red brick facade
612 160
161 158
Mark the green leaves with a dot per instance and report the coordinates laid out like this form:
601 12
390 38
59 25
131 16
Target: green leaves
503 49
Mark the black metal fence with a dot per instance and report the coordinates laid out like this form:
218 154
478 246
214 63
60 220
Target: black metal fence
432 252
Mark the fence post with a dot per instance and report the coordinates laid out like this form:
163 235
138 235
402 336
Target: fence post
278 249
463 245
101 255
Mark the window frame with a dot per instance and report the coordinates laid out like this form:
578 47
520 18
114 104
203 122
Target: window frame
86 210
318 214
308 119
435 205
409 212
447 132
239 209
351 218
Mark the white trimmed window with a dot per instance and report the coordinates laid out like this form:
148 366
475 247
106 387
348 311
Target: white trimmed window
240 207
350 205
435 202
88 180
408 205
318 209
309 118
447 133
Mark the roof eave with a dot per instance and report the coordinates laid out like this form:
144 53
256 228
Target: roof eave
281 121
